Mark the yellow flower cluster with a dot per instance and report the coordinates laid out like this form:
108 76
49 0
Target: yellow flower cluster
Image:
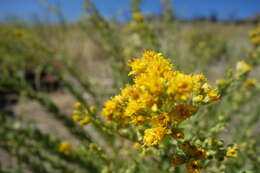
65 148
160 97
250 83
243 68
255 36
232 151
194 166
80 116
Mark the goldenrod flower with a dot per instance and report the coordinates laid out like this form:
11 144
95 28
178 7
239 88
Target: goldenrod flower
198 98
77 105
243 67
92 109
159 97
75 117
65 148
255 36
85 120
256 40
250 83
137 16
161 120
154 135
138 120
231 152
137 146
194 166
200 153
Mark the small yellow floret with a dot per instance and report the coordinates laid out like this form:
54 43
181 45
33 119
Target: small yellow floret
231 152
194 166
77 105
85 120
243 67
154 135
92 109
137 16
65 148
75 117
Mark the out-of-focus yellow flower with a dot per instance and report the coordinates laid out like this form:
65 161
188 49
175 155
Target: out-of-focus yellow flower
78 105
114 108
92 109
198 99
213 95
250 83
154 135
231 152
75 117
253 33
256 40
243 67
194 166
255 36
18 32
200 153
82 116
161 120
221 81
85 120
65 148
137 16
137 146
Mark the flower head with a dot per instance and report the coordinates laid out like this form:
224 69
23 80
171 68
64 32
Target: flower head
243 67
159 97
154 135
65 148
194 166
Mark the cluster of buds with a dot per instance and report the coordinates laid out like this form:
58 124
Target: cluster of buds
81 115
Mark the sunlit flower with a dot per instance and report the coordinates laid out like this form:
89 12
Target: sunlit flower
158 98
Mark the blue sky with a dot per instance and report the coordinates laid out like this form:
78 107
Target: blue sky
184 8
